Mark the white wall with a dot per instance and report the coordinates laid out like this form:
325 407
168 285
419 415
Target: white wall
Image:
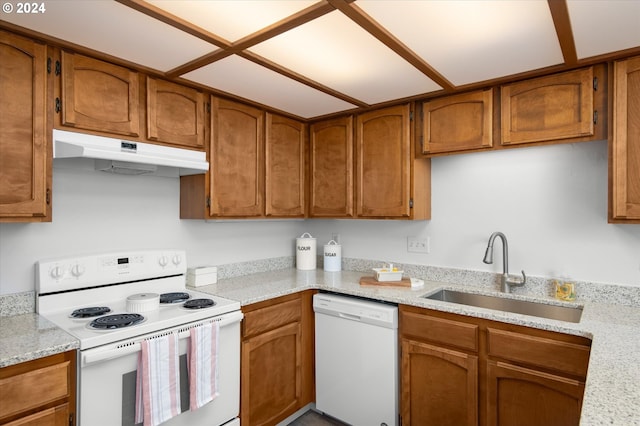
551 202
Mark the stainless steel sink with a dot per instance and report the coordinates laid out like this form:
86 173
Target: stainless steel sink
536 309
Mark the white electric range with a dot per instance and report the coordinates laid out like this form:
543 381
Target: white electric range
113 301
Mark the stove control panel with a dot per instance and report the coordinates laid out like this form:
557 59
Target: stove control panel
69 273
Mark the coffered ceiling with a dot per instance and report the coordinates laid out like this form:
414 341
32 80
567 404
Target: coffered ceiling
311 59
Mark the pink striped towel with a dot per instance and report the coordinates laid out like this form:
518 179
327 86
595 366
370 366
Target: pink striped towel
203 364
158 380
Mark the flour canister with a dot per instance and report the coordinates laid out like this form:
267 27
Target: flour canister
306 252
332 256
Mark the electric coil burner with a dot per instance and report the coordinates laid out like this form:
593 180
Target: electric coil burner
111 322
174 297
198 304
93 311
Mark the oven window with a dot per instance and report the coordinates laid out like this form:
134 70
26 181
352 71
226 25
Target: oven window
129 393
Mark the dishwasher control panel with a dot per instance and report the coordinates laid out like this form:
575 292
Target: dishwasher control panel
356 309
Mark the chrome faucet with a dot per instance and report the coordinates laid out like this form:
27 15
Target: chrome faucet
505 282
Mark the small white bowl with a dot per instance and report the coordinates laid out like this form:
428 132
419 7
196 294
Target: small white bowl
386 274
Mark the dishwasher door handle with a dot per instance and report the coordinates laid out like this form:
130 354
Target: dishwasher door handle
349 316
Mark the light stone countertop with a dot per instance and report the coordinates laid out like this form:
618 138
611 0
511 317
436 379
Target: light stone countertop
29 336
612 392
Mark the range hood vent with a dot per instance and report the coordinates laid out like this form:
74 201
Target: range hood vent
128 157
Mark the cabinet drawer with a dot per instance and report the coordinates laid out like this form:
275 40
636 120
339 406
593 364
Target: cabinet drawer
35 388
270 317
440 330
56 416
565 357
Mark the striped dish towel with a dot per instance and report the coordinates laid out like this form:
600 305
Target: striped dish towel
203 364
158 380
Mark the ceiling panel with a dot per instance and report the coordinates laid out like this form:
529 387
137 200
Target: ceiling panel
241 77
232 20
604 26
320 61
469 40
117 30
335 52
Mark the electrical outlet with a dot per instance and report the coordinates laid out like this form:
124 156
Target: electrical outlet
418 245
335 237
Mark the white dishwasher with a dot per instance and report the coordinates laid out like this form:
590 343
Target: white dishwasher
356 360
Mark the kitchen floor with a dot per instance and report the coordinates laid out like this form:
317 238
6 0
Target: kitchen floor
313 418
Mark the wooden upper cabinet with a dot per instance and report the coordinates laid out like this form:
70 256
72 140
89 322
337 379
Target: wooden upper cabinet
99 96
175 113
25 155
624 156
560 106
237 160
458 123
383 155
331 168
285 150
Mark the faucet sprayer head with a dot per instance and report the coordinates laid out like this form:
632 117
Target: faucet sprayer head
488 254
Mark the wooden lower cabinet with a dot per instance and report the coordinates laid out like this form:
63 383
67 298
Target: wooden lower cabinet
525 397
277 359
439 385
57 416
459 370
39 392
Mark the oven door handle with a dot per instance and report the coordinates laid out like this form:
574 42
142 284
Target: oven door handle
133 347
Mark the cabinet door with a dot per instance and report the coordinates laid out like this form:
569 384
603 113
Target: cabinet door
548 108
458 123
175 114
285 144
99 96
439 386
25 156
524 397
237 160
383 156
271 382
331 168
625 143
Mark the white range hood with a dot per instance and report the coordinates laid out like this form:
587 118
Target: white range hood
128 157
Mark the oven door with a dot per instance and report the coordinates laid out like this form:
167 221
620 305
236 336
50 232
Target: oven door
107 380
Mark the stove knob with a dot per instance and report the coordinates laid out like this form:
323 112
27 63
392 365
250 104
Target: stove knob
163 261
57 273
77 270
177 259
